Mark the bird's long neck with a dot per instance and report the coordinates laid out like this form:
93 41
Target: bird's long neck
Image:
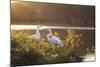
48 37
37 31
49 34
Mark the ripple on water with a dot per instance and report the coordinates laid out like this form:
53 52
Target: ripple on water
89 57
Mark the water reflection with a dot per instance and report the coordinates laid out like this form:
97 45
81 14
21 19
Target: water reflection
26 27
89 57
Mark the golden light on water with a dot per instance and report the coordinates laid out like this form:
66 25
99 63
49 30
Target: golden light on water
27 27
89 57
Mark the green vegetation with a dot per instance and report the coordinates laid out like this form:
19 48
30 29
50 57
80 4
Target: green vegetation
26 51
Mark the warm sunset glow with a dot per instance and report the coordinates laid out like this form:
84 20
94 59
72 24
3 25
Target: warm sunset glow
13 2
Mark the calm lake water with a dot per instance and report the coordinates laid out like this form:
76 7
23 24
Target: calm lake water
33 27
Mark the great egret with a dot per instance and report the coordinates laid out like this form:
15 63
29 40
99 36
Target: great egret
37 35
53 39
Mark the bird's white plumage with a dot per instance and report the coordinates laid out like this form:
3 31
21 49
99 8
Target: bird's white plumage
37 35
53 39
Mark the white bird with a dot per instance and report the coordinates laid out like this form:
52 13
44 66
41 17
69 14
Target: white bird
53 39
37 35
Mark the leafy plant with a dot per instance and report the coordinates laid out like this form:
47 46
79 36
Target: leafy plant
26 51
